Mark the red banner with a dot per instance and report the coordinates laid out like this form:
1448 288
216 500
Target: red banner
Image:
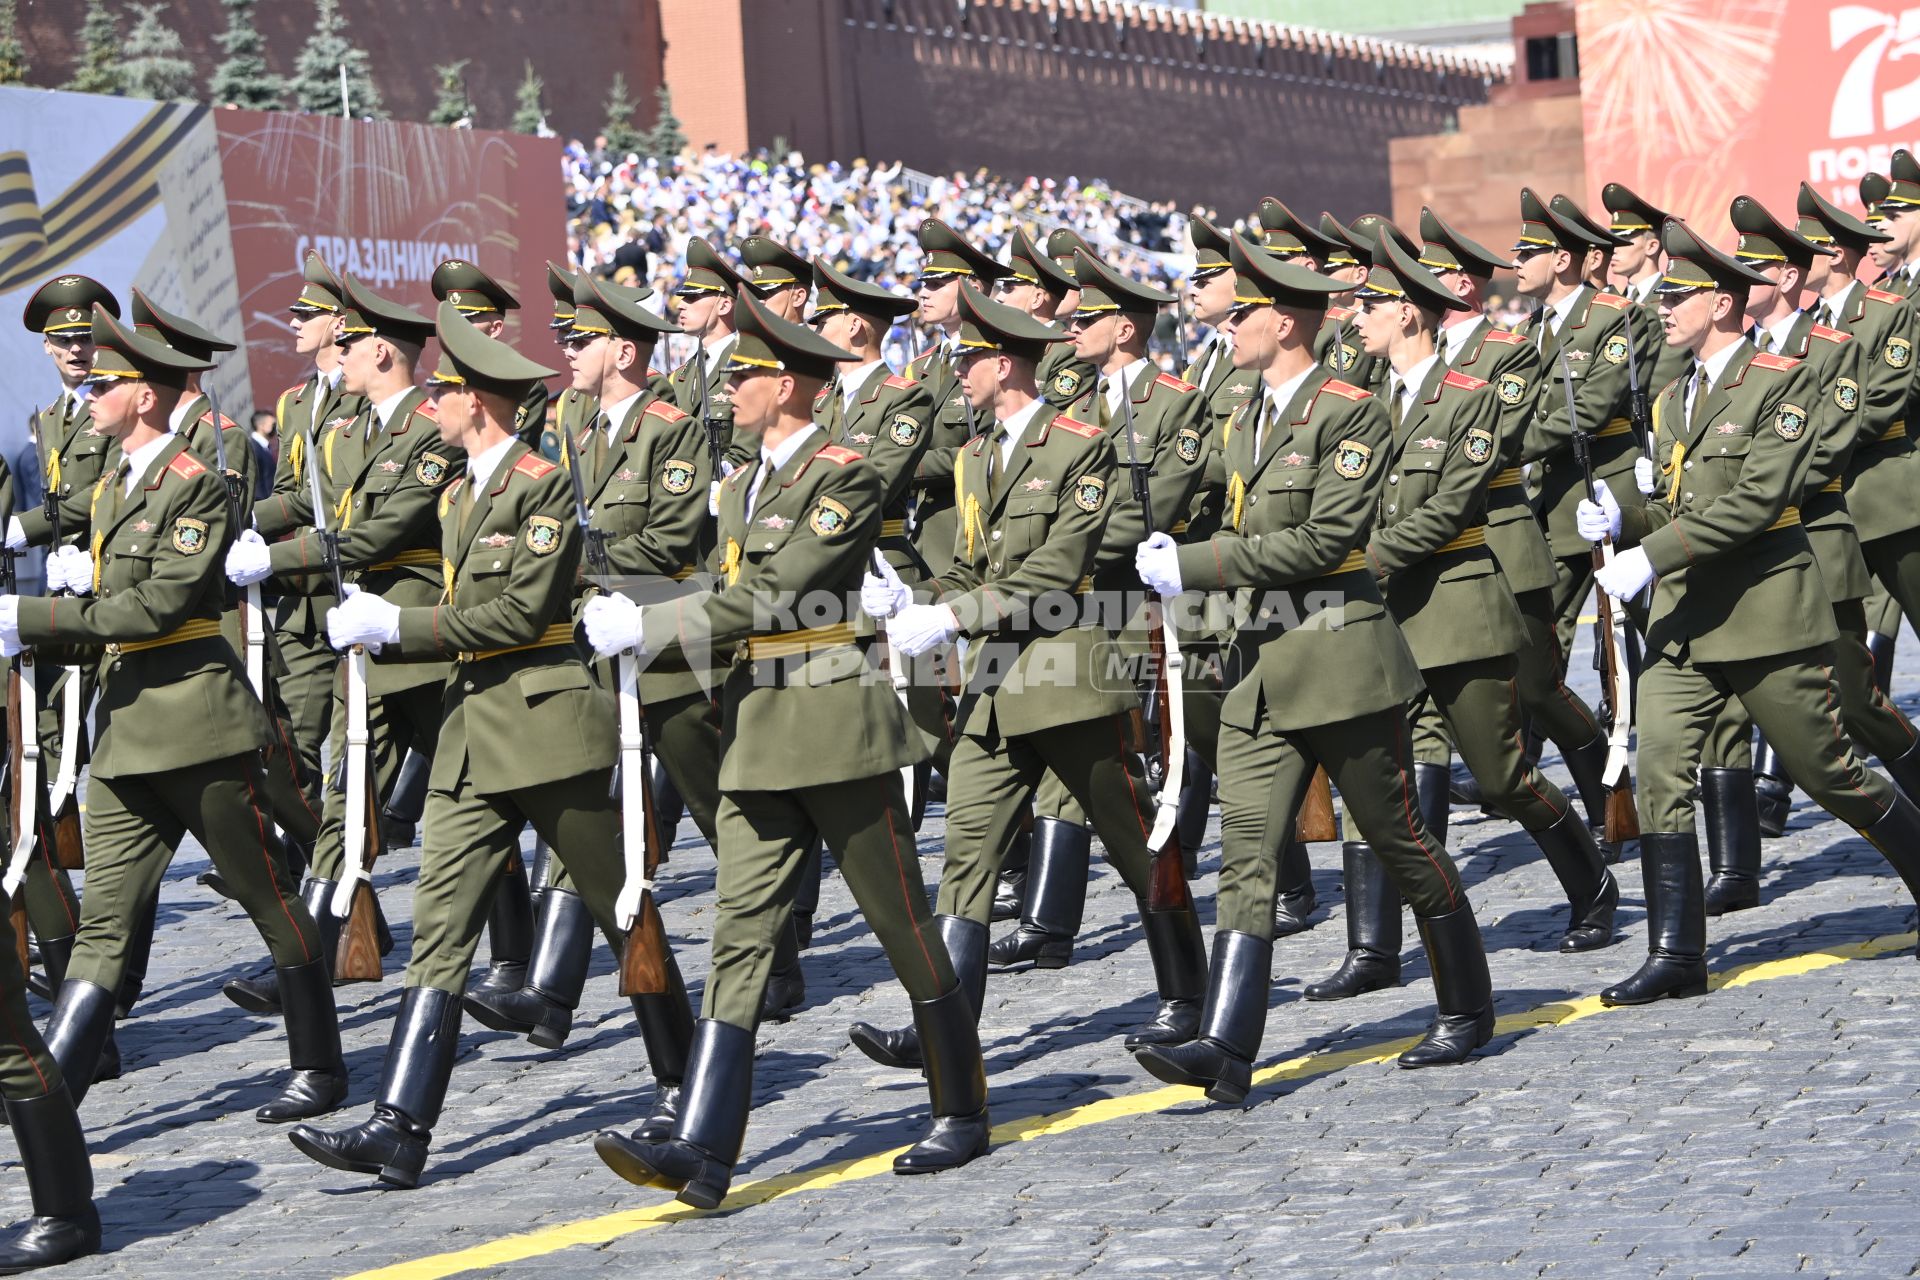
1693 102
386 202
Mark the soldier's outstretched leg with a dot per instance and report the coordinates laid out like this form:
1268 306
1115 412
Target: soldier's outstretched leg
1732 819
542 1010
1055 901
1373 930
1010 890
509 930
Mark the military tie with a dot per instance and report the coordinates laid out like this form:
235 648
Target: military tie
996 460
836 410
597 451
1763 339
1540 330
1397 401
759 479
1260 426
1696 396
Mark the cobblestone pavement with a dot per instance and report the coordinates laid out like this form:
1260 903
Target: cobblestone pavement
1767 1129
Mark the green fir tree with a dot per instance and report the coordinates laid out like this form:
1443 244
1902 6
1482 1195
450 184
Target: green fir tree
622 137
450 104
153 63
13 55
316 72
665 141
243 79
529 111
97 69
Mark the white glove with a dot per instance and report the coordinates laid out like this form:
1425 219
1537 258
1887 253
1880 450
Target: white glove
883 594
1627 576
248 560
613 625
10 645
1643 476
16 534
363 618
1157 561
1598 518
70 569
920 627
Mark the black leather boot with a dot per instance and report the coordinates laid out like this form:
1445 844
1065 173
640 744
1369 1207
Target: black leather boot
319 1083
806 898
77 1031
1190 817
666 1028
1733 839
1905 772
262 995
1010 886
400 818
1462 990
1294 906
1897 837
1676 963
957 1081
1373 930
966 942
786 988
1056 899
1432 782
55 954
542 1011
133 978
1587 765
413 1086
1463 788
1772 789
668 804
509 933
1590 887
53 1148
1179 974
1220 1060
1880 649
697 1161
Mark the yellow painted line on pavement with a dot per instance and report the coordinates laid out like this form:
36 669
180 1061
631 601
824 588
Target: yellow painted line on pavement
613 1226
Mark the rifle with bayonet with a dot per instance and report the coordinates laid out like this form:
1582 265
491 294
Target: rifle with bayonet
644 959
252 620
1609 653
357 954
62 806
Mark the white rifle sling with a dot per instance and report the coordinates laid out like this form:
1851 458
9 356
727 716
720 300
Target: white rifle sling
28 768
256 630
634 817
1620 696
66 773
353 863
1166 806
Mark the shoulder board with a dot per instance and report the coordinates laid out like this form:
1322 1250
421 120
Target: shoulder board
1168 380
426 410
533 465
1611 300
1767 360
661 409
677 368
226 423
1507 336
1090 430
1341 313
895 380
1881 295
1463 381
838 455
185 465
1831 335
295 389
1347 389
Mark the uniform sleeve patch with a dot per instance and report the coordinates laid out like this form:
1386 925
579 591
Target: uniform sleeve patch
1478 446
1350 459
676 475
1615 349
189 536
904 430
1188 444
1789 421
431 469
543 535
1065 384
1089 493
1846 394
1898 353
1512 388
829 517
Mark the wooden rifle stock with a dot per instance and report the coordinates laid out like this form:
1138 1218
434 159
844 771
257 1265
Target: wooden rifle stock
67 844
1315 823
356 956
1623 816
643 960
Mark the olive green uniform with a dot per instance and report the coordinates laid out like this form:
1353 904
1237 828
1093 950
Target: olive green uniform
156 609
1882 476
1321 674
950 428
812 529
714 400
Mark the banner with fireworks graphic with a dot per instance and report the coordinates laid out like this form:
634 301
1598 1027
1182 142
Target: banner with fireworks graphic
1693 102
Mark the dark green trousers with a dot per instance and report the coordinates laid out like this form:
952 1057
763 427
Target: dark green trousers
470 838
1894 562
1556 712
27 1070
1794 699
1479 703
1264 776
396 723
1093 761
134 825
764 837
302 670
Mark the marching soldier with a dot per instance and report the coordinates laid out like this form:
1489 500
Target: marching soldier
574 408
1739 608
192 417
380 475
1579 330
153 601
1034 502
699 385
1471 344
778 277
646 478
1167 418
527 738
804 519
1320 682
950 263
1350 259
485 302
1053 295
1444 588
1635 264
